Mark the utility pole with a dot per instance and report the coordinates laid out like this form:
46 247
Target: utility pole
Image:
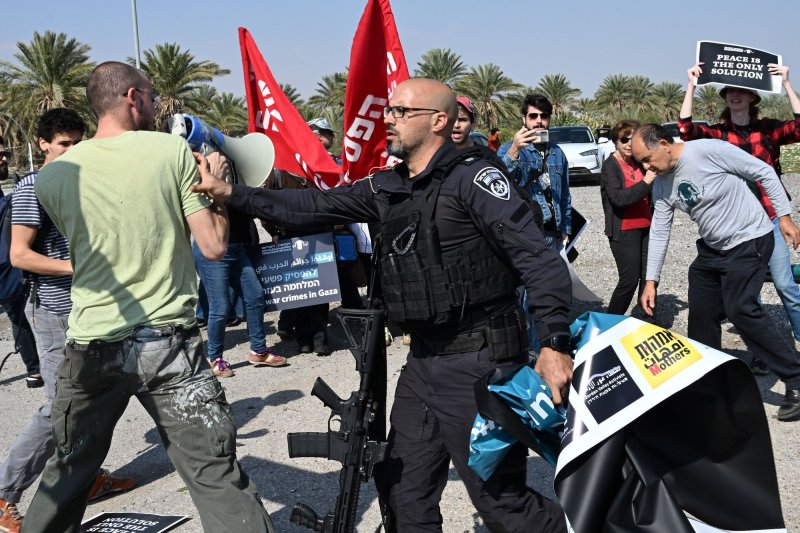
136 35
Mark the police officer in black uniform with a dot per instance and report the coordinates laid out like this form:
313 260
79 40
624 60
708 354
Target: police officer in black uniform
457 238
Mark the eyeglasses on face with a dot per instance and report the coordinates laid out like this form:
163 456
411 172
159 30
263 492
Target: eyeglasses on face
153 98
399 111
5 154
624 140
534 116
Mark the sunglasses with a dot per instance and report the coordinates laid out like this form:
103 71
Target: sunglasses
625 140
534 116
5 154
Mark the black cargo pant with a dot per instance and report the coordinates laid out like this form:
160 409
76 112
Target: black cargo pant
432 417
170 376
727 283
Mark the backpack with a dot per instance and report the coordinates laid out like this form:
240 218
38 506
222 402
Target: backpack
11 279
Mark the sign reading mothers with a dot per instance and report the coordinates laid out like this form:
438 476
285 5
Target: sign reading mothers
739 66
297 272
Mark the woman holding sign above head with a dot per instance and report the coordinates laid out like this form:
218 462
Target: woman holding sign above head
625 191
762 138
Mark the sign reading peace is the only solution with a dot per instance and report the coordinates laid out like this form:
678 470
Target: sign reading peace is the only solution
739 66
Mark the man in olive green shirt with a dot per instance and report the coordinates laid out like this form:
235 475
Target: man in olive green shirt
124 201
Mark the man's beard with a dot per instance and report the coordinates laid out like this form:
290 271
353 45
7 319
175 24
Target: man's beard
3 171
397 150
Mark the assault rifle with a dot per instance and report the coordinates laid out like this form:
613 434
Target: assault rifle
356 428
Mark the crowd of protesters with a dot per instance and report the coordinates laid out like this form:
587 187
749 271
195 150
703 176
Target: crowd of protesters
91 300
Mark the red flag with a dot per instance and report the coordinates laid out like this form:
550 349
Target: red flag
297 149
376 48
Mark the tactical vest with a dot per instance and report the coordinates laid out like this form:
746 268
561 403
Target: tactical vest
426 287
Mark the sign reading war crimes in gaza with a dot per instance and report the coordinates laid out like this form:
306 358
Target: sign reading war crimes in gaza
740 66
297 272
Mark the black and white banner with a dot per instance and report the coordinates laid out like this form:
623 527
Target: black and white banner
297 272
664 434
738 66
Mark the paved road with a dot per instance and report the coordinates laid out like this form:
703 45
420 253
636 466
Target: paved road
270 402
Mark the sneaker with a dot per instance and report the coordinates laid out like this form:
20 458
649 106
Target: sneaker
34 381
10 519
758 367
106 483
266 358
306 348
221 368
790 408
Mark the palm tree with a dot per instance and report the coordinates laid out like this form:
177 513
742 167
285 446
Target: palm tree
228 114
329 93
486 86
441 64
707 104
176 76
560 92
640 95
668 96
292 94
613 94
52 72
585 108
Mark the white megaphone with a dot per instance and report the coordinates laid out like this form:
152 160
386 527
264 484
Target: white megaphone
253 155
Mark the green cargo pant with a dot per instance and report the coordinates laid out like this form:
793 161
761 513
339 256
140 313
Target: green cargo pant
166 370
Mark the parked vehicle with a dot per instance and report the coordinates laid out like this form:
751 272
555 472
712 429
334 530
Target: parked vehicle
581 149
672 128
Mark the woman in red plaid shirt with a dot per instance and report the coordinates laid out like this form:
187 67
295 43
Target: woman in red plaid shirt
762 138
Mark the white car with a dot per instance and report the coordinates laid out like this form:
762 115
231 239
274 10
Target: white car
672 128
582 151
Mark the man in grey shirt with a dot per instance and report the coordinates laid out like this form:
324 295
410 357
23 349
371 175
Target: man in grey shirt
706 180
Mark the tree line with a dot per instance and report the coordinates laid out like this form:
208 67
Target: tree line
51 71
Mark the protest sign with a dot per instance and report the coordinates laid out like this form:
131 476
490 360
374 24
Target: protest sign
663 434
131 522
738 66
297 272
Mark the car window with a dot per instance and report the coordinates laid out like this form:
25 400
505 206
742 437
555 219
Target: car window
571 136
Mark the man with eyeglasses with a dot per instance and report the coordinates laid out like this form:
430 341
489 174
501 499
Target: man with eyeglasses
457 238
124 201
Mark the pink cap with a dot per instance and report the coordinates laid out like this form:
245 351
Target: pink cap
467 103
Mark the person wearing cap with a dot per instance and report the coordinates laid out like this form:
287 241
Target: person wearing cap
762 138
465 123
325 133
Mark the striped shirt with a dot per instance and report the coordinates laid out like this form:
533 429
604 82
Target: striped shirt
53 292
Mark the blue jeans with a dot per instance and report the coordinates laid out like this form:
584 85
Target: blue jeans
24 340
780 265
35 445
201 311
234 269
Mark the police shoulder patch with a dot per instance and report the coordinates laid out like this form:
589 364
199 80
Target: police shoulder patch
494 182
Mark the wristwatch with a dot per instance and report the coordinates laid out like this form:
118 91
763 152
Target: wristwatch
559 343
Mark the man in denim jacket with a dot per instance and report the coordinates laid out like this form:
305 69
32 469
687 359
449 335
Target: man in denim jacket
546 183
541 169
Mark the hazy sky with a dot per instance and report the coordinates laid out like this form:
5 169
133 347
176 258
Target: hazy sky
302 40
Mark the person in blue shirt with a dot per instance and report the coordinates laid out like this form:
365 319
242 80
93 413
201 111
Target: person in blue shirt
541 169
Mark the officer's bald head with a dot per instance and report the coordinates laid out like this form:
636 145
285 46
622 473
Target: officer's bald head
431 94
